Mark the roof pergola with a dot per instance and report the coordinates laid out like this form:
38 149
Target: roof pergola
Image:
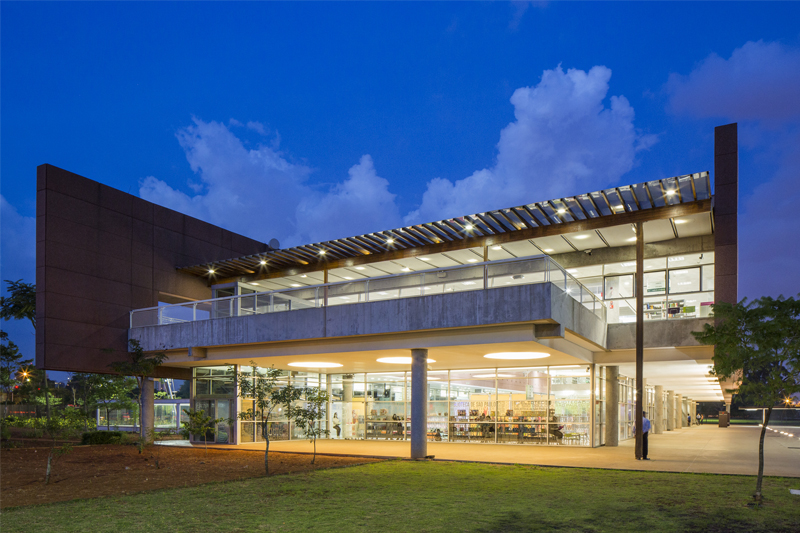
652 200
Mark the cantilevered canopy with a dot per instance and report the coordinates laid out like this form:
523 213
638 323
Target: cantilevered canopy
681 196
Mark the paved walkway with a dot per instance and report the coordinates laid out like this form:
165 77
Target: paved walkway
706 449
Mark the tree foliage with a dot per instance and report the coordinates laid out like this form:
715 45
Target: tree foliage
141 366
757 346
20 304
310 414
11 363
199 423
268 393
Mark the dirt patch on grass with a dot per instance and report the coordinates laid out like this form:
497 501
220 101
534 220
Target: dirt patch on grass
95 471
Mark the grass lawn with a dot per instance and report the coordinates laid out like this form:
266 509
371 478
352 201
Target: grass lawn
435 496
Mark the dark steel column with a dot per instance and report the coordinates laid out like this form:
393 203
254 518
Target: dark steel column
639 335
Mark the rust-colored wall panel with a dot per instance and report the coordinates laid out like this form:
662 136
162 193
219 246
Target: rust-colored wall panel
100 253
726 206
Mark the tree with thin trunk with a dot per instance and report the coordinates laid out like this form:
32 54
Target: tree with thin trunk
141 366
309 416
757 346
264 391
10 364
198 423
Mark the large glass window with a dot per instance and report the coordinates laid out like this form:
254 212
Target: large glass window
684 280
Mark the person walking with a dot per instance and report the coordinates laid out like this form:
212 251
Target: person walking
689 420
699 418
645 432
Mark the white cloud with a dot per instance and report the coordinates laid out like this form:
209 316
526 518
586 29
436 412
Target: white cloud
564 140
361 204
260 193
758 82
758 87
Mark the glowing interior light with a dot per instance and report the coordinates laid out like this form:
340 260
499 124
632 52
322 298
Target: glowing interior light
517 355
405 269
263 262
547 250
670 192
389 241
347 277
399 360
497 247
472 260
681 221
424 259
210 270
296 285
303 276
315 365
561 211
581 236
469 227
322 252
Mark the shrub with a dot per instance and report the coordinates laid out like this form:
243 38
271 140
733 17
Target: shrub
102 437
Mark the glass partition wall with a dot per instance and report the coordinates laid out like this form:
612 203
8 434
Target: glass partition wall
526 405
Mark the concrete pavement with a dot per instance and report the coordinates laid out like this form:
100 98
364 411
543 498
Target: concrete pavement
700 449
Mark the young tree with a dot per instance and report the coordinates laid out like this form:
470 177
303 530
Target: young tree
199 424
141 366
309 416
268 394
106 391
10 364
758 347
21 302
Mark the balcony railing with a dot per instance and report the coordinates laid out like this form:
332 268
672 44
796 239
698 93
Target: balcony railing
480 276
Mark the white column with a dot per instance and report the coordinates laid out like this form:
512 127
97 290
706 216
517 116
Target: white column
670 410
419 400
658 416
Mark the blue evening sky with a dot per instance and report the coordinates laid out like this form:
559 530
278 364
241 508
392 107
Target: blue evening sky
155 98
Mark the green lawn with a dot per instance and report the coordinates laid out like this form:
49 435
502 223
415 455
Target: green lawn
436 496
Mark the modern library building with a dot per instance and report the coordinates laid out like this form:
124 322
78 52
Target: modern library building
513 326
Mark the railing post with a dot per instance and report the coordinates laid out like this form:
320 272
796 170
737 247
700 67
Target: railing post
271 303
366 290
160 315
194 312
485 276
130 320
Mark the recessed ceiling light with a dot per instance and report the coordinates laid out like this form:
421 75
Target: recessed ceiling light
547 250
210 270
494 376
424 259
405 269
303 275
472 260
347 277
632 239
315 365
389 241
469 227
572 270
581 237
263 262
670 192
561 211
497 247
322 252
399 360
359 268
681 221
296 285
517 355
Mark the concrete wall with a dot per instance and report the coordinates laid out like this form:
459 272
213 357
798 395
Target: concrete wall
100 253
506 305
657 333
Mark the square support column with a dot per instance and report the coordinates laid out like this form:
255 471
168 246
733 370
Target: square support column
670 410
419 400
612 406
658 416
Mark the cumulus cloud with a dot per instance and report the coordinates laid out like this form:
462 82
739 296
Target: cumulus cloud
564 140
253 191
360 204
758 82
758 86
260 193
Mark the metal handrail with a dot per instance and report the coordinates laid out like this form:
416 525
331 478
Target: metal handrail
549 262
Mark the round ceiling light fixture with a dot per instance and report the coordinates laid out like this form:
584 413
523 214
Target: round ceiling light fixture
399 360
315 365
517 355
